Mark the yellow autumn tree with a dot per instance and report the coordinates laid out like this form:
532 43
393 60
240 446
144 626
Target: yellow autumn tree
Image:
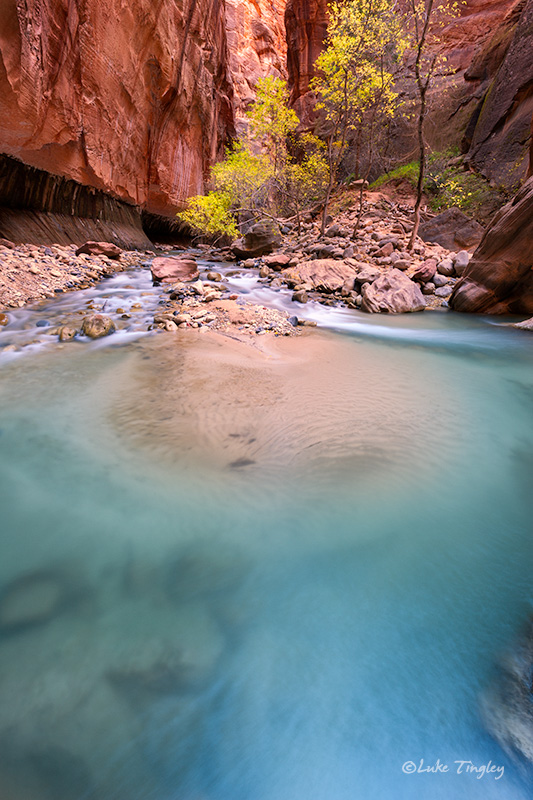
355 76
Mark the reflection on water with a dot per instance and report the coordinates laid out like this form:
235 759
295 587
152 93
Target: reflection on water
231 575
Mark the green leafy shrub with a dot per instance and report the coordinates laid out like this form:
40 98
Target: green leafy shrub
407 172
448 184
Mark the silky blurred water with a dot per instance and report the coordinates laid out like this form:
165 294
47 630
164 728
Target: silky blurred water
286 596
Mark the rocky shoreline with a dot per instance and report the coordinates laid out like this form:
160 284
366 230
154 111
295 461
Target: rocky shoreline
366 268
29 273
369 268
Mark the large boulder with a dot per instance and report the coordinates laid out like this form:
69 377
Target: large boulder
453 230
172 269
277 261
499 278
97 325
322 274
99 249
393 293
261 239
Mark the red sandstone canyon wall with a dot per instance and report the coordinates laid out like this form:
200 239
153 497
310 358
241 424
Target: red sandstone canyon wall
257 48
306 26
500 130
131 98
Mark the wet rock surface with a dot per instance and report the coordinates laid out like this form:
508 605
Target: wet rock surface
96 326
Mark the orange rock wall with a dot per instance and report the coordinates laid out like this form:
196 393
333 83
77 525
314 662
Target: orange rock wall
306 25
257 48
129 97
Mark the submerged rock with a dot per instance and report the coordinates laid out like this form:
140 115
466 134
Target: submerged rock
186 657
507 705
393 293
31 600
97 325
204 571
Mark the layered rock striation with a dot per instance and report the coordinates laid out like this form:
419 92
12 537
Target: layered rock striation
132 99
306 27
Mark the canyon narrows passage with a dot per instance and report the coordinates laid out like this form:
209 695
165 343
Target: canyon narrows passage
283 573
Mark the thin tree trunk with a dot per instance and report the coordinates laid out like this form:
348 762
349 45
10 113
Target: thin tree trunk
421 172
330 186
530 170
423 86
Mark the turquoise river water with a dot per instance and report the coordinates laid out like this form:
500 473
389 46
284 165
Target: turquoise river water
224 582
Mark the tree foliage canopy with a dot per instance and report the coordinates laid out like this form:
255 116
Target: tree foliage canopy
262 176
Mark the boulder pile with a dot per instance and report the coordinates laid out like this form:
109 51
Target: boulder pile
369 268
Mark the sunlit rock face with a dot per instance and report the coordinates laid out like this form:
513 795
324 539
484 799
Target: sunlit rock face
257 48
131 98
137 100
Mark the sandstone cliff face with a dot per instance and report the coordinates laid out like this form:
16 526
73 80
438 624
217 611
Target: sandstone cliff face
257 48
306 26
476 23
500 130
499 279
130 98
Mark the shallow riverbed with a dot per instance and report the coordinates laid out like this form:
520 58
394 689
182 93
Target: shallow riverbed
271 570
